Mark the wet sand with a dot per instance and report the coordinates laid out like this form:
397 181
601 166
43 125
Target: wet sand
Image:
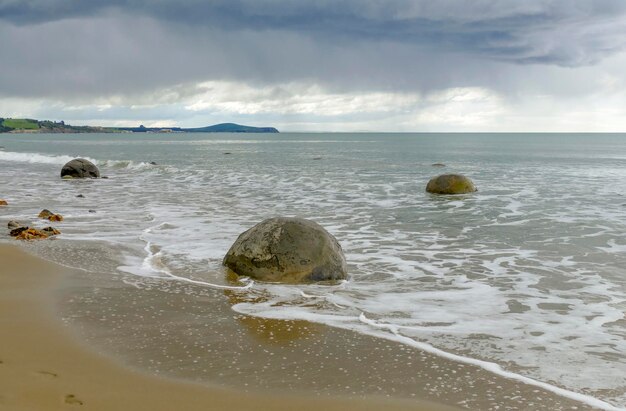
43 366
74 339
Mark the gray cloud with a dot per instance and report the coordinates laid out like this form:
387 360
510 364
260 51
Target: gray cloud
563 32
139 52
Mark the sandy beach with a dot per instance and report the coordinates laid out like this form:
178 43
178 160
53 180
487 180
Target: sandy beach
348 205
43 367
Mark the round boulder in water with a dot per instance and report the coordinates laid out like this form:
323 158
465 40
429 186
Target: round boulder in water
80 168
450 184
287 250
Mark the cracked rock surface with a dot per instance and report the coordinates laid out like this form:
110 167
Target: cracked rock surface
287 250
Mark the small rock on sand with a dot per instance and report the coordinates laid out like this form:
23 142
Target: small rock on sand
72 400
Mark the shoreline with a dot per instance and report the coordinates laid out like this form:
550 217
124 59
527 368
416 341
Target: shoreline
39 293
43 368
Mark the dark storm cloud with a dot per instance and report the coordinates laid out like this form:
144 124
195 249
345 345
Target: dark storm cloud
80 50
563 32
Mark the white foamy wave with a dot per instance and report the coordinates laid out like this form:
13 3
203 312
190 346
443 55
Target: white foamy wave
135 165
519 276
391 332
126 164
36 158
152 266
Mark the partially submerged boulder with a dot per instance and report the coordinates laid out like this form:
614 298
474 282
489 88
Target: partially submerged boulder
45 213
80 168
14 224
3 203
50 231
450 184
49 215
287 250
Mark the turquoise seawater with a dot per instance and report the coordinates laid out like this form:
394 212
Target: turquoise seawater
529 273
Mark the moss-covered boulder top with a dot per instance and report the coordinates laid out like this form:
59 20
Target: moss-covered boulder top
450 184
287 250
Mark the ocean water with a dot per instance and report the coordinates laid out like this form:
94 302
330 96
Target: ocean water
525 278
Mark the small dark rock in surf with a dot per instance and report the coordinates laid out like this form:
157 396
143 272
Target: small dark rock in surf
16 231
14 224
45 213
50 231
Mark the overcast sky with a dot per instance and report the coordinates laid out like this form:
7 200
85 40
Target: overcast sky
319 65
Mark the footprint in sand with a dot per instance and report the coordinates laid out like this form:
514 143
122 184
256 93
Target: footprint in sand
72 400
48 374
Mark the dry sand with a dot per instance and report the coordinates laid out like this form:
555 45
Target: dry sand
43 367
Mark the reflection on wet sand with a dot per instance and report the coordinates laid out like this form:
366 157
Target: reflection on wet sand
279 332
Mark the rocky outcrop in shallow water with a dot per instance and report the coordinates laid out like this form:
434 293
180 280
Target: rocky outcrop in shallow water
49 215
450 184
16 231
27 233
80 168
287 250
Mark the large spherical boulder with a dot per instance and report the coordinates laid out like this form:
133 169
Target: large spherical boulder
450 184
80 168
287 250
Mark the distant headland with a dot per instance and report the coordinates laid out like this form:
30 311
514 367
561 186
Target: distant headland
26 125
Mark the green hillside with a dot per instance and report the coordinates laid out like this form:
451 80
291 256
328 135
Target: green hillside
20 124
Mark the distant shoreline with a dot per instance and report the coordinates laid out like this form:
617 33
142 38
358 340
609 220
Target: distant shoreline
24 125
